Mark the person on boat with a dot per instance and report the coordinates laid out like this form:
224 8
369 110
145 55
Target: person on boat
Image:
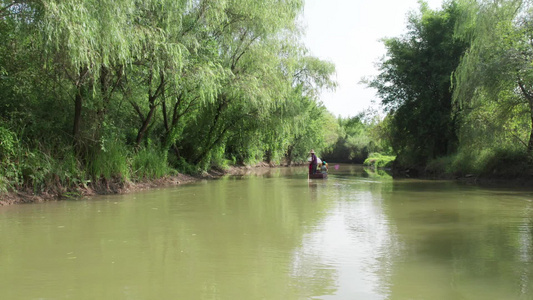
313 162
324 166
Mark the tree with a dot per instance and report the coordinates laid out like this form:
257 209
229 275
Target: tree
85 41
133 85
495 74
249 41
414 84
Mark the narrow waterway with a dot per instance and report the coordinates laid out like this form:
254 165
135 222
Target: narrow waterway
275 235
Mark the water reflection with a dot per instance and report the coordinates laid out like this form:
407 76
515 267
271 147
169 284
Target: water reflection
461 237
377 173
274 234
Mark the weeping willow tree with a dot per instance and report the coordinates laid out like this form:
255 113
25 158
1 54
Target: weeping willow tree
253 43
117 89
494 82
295 120
96 44
311 125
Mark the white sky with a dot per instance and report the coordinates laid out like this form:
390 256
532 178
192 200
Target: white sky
348 33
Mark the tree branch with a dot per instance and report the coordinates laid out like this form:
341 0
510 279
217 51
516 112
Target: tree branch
524 90
138 110
519 139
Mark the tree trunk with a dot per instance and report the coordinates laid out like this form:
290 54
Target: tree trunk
268 156
212 145
214 124
530 144
152 104
78 105
78 101
529 96
289 155
145 124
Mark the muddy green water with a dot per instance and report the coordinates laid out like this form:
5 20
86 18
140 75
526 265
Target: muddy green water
275 236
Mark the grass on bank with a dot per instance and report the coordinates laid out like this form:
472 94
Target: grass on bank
496 162
39 171
378 160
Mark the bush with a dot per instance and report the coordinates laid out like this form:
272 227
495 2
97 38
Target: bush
150 163
183 166
439 166
68 169
8 143
9 163
109 162
378 160
504 163
494 162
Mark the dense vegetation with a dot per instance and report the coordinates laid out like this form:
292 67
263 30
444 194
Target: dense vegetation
123 90
92 91
358 137
458 89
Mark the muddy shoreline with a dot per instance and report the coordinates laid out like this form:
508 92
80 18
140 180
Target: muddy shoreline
114 187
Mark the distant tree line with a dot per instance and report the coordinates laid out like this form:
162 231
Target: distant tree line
357 138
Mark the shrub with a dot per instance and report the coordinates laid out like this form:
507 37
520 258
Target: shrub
150 163
183 166
498 162
378 160
108 161
504 163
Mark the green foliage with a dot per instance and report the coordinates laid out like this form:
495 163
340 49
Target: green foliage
109 162
182 166
494 78
68 170
358 137
377 173
414 84
93 90
505 163
150 163
378 160
481 125
444 166
489 162
8 144
22 168
9 151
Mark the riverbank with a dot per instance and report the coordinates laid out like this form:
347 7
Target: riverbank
523 180
103 187
117 186
110 187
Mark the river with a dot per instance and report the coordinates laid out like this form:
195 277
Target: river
273 234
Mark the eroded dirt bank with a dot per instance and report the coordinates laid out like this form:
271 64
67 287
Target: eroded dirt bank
107 187
103 187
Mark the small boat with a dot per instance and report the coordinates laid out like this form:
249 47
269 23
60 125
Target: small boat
318 176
